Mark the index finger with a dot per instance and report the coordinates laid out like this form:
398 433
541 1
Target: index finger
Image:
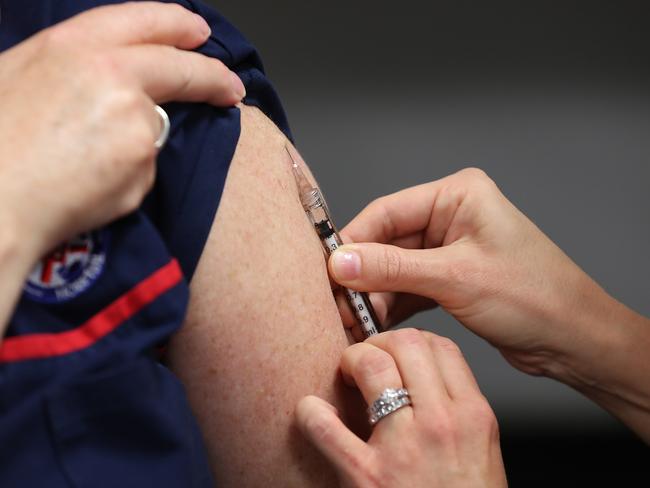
141 23
401 214
412 353
455 371
166 73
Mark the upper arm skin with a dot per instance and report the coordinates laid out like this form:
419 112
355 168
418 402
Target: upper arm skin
262 329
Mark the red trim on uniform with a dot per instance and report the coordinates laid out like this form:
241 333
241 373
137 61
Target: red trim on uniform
39 346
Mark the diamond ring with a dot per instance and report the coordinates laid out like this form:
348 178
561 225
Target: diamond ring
389 401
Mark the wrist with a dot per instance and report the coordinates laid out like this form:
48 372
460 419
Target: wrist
604 356
581 329
565 325
18 252
19 248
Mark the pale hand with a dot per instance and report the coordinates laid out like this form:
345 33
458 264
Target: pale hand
448 438
78 125
459 243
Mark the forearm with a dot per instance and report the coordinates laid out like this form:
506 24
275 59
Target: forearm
607 357
16 258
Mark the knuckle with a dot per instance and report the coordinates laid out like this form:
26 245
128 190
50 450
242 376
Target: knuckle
177 10
390 264
378 207
373 362
407 338
376 204
144 15
361 465
475 173
128 104
185 73
320 425
61 36
479 178
215 71
387 223
364 473
219 69
107 66
58 36
447 345
442 429
483 416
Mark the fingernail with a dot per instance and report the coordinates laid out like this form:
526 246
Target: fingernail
237 85
204 28
346 264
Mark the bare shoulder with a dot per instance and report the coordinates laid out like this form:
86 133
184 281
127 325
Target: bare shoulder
262 329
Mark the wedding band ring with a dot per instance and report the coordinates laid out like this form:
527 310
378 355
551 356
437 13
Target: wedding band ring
389 401
164 128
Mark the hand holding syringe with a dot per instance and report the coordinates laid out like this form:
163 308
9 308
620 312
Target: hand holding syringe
316 209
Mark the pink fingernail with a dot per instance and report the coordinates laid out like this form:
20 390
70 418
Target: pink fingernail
346 264
204 28
237 85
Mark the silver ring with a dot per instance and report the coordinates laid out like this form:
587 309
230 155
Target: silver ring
164 128
389 401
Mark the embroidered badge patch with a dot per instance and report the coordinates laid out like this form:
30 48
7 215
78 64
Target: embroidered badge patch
69 270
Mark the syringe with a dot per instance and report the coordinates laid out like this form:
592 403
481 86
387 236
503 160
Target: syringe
316 209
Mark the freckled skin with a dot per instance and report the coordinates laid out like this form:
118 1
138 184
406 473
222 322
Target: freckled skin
262 329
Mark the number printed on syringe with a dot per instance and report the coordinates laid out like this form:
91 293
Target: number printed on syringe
357 299
358 305
330 244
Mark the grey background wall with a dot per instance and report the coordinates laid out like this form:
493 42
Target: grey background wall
552 99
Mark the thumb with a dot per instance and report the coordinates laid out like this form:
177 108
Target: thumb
318 422
382 267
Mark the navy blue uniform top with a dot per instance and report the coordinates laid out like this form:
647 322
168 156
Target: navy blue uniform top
83 402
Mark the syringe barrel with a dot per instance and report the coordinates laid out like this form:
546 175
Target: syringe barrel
316 208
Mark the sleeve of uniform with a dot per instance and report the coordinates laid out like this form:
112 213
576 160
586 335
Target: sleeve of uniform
192 167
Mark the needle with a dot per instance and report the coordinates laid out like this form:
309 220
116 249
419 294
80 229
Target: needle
303 184
314 205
